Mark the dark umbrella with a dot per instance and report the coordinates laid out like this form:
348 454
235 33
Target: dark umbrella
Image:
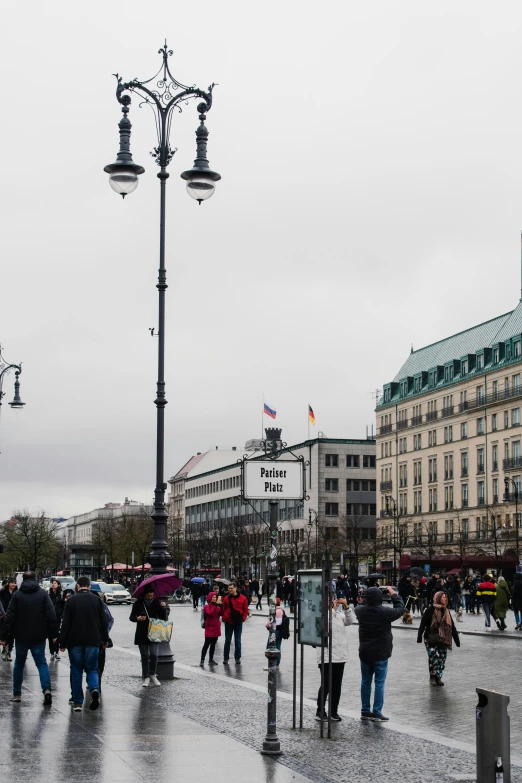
221 581
162 584
375 576
417 571
197 579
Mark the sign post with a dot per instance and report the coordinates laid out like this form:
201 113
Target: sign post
272 479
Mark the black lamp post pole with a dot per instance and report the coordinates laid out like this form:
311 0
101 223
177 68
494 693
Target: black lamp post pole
163 93
392 504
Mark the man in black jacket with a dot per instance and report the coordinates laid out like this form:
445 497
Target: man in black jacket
5 598
83 631
375 647
30 620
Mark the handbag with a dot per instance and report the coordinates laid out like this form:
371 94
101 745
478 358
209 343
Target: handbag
433 640
159 630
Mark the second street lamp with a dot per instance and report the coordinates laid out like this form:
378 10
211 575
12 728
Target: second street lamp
508 499
5 368
391 511
164 94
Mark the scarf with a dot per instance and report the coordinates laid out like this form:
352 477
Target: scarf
441 622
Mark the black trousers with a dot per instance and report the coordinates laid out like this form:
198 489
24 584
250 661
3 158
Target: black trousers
210 641
337 682
195 599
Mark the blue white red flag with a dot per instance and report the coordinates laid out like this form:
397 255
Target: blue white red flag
269 411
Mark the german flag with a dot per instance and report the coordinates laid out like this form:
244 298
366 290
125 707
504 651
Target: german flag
311 415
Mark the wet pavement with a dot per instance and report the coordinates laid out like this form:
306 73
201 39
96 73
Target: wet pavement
210 725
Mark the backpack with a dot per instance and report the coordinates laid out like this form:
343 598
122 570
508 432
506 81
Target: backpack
284 628
202 617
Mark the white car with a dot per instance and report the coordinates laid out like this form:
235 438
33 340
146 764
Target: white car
116 594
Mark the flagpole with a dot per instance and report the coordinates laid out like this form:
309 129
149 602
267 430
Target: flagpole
308 420
262 413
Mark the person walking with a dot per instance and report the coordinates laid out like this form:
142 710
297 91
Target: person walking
195 593
466 593
235 612
260 592
146 608
517 601
375 647
30 621
55 594
5 597
212 612
501 603
342 615
84 628
423 594
437 631
103 647
486 594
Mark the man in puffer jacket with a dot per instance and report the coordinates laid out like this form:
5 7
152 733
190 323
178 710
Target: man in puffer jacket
342 615
375 647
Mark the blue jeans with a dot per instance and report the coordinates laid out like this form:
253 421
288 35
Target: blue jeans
487 613
369 669
518 616
83 658
236 630
278 644
38 653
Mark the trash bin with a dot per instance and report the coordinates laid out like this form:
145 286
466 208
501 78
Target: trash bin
493 735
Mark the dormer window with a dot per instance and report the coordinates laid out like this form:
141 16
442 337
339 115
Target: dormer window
448 373
516 349
404 388
496 355
464 367
480 361
508 352
418 385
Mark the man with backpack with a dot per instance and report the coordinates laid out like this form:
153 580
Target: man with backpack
235 612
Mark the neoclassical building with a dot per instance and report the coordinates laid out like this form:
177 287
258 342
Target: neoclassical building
449 459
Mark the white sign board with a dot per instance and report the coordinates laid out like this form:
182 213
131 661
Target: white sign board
273 480
363 569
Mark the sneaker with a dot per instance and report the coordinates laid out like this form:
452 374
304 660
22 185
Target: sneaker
238 663
378 716
439 682
366 716
202 664
4 654
146 682
225 663
9 657
212 663
95 700
71 700
337 718
48 698
77 707
318 716
154 680
16 697
56 656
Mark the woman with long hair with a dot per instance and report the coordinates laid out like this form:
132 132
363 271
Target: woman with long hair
438 631
55 594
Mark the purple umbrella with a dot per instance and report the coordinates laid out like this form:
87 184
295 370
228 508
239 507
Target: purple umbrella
162 583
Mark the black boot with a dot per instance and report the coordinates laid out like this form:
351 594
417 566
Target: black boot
439 682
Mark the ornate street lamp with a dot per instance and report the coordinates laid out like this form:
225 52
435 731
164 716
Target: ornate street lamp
164 94
508 499
5 368
391 511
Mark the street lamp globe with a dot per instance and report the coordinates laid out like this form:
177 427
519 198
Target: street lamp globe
123 181
200 183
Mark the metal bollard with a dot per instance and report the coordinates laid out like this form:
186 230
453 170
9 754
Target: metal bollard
493 735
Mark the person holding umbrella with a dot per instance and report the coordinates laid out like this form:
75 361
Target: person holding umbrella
147 607
195 590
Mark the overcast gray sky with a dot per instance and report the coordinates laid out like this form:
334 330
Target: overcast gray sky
371 197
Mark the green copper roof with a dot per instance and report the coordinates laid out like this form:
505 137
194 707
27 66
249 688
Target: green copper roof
471 340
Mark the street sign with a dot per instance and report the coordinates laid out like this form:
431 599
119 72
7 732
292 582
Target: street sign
363 569
273 479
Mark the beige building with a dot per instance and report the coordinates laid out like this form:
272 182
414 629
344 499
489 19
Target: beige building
448 439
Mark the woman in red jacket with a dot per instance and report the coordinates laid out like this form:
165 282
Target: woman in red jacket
212 613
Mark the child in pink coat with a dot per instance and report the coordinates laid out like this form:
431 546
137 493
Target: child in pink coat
212 613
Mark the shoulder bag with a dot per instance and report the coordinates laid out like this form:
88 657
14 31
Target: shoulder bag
159 630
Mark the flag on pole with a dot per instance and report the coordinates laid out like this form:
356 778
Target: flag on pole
311 415
269 411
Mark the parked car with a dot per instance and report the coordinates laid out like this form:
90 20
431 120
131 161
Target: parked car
114 594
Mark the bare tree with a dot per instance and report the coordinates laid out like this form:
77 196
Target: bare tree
31 541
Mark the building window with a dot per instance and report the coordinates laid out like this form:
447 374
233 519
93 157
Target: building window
331 485
480 361
448 434
508 352
516 349
495 355
352 460
464 495
506 420
417 442
432 437
480 426
432 380
331 509
368 461
464 430
448 531
432 469
448 498
331 460
515 417
480 493
432 499
464 367
417 532
494 422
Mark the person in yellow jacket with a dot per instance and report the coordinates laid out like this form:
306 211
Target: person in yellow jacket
486 594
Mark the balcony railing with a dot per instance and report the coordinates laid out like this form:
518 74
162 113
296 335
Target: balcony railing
401 425
495 498
448 411
385 429
432 478
463 406
495 466
464 502
432 416
480 467
416 420
463 435
511 463
386 486
448 475
417 480
403 482
463 472
481 501
512 498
